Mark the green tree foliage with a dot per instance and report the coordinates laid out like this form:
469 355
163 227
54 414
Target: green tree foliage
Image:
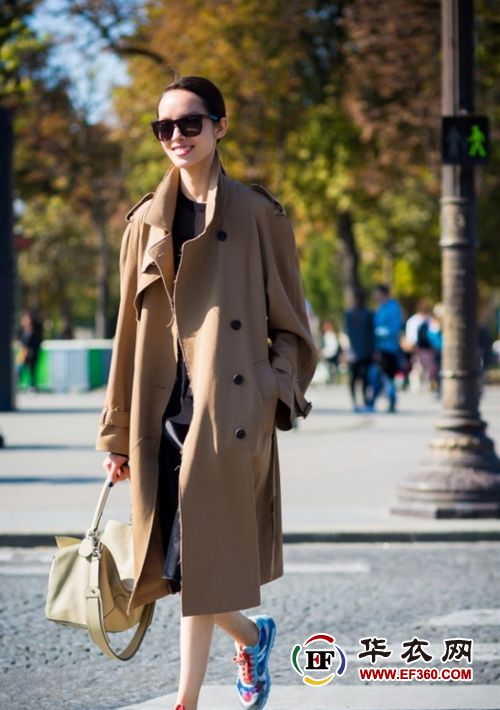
61 157
58 270
488 103
21 52
369 145
334 107
66 167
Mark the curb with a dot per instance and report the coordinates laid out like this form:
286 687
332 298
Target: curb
370 536
47 540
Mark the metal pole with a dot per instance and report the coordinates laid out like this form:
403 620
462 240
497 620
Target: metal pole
460 476
7 399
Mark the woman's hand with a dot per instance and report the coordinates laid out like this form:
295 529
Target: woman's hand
117 468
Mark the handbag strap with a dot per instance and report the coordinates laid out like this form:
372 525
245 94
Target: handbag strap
100 507
95 618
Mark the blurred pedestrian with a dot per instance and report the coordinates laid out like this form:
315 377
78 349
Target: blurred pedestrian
314 326
388 324
208 374
66 331
359 329
424 361
331 349
30 338
435 335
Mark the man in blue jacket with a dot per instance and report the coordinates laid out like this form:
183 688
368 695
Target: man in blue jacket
388 324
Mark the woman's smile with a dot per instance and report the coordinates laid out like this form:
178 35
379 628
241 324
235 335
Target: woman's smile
181 150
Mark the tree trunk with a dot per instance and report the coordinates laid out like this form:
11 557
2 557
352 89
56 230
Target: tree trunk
349 259
7 395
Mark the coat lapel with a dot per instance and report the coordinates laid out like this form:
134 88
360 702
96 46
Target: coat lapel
160 216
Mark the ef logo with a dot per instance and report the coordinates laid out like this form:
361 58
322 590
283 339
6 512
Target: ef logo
319 660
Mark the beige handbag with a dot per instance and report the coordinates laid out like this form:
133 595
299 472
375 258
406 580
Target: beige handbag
91 582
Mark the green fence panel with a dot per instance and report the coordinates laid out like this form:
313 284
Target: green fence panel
99 363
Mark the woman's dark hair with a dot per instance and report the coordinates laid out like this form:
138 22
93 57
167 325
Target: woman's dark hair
210 95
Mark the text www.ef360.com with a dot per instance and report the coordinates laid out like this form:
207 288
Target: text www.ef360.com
423 674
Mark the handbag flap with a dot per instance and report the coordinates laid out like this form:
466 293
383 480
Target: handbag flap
118 539
65 541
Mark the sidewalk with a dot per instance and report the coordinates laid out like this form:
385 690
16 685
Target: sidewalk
340 470
338 697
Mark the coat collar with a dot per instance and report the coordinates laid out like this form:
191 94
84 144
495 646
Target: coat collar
160 216
162 208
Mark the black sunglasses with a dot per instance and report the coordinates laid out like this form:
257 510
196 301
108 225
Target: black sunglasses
163 128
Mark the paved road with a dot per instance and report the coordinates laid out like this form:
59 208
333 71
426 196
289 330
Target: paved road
340 474
395 591
340 470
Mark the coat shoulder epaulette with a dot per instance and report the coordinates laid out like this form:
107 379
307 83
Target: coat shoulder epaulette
278 207
134 209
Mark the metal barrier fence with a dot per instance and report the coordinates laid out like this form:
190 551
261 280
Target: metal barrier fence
70 365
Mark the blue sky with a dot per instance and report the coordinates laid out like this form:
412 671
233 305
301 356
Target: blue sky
93 71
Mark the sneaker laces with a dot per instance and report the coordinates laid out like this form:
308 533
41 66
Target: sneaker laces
247 660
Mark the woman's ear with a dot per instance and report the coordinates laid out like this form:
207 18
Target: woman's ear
221 128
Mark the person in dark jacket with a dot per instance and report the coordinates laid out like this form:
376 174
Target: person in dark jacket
359 329
388 324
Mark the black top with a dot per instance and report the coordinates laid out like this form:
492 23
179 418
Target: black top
189 222
359 328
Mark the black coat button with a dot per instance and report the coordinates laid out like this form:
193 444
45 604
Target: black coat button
238 379
235 324
221 236
240 433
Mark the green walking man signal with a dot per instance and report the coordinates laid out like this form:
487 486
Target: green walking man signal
465 140
477 140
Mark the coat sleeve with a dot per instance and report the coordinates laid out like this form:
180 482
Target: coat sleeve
293 354
113 434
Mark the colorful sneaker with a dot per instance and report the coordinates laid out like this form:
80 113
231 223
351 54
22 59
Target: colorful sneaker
254 682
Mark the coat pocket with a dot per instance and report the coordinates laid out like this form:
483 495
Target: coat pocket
268 388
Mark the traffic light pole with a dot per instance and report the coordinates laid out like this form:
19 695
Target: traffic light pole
460 476
7 402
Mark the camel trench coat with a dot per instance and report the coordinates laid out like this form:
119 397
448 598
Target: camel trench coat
237 309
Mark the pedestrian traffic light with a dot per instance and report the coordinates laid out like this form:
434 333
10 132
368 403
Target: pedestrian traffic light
465 140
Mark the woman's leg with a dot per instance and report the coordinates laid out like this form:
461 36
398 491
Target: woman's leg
254 640
196 637
352 382
240 627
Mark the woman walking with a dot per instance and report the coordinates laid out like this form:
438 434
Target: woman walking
212 351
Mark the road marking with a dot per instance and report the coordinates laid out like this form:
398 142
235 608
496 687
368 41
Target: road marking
21 562
24 570
10 564
356 697
327 568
